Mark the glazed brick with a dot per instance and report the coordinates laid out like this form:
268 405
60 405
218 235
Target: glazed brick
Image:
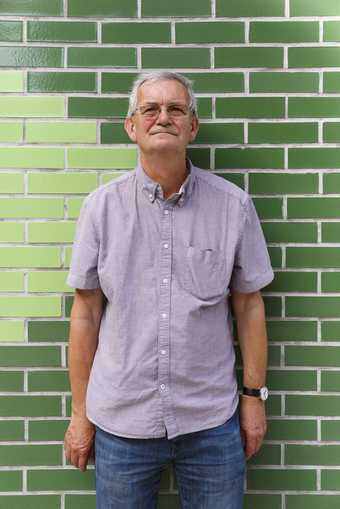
312 501
331 82
250 107
330 282
290 232
289 380
318 356
331 132
60 480
48 331
26 256
291 330
284 31
308 405
86 501
31 501
330 381
293 282
10 133
136 33
259 501
25 106
200 157
318 107
268 208
100 8
119 82
175 58
68 305
113 133
19 56
11 330
272 305
216 82
11 31
11 281
331 31
291 429
312 454
11 232
283 183
43 281
75 82
11 81
26 306
31 7
307 8
204 107
61 31
282 132
29 406
313 207
330 430
92 107
282 480
313 57
288 82
31 208
23 157
102 158
10 481
51 232
330 480
73 207
176 8
11 381
48 381
331 183
30 455
327 307
209 32
60 132
330 232
220 133
61 183
269 454
47 430
318 158
11 431
330 330
11 183
249 57
107 177
266 158
101 57
250 8
273 407
30 356
235 178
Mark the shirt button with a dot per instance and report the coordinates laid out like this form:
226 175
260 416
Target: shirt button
166 246
162 387
150 196
166 212
163 352
164 315
165 280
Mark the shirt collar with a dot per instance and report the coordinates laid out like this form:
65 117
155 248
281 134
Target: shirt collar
153 190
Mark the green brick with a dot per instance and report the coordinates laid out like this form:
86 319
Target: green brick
291 429
92 107
31 7
63 31
257 501
11 81
330 430
268 208
282 480
319 107
268 455
31 208
273 306
313 405
318 356
12 430
330 232
312 454
330 330
312 501
48 330
250 8
75 82
289 380
136 33
175 58
331 82
318 158
249 57
220 133
44 281
102 158
28 106
68 305
10 481
283 183
293 282
61 132
331 132
291 330
290 232
30 356
313 207
331 31
20 56
250 107
10 133
51 232
313 57
273 407
11 281
266 158
330 480
235 178
23 157
47 430
108 177
176 8
327 307
84 502
285 132
74 206
330 282
48 381
204 107
331 183
209 32
29 406
12 330
330 381
11 381
30 306
26 256
30 455
60 480
11 31
100 8
288 82
308 8
73 182
30 501
113 133
119 82
284 31
101 57
216 82
11 182
200 157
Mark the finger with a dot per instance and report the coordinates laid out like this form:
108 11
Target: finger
83 462
250 445
74 458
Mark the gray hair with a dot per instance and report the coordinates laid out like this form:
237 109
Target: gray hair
155 76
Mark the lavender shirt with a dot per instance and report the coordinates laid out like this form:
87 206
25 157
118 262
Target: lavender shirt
164 365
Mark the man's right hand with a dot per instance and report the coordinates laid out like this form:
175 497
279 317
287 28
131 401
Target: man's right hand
78 441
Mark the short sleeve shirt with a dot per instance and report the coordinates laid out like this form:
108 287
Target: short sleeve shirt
165 361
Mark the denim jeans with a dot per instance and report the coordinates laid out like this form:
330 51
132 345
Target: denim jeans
209 467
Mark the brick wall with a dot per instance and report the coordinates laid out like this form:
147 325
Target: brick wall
267 74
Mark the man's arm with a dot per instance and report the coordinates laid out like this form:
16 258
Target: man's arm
86 315
249 312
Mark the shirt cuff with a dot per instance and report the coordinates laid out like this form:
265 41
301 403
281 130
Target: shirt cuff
255 284
82 282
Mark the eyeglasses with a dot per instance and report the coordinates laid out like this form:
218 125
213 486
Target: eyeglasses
152 111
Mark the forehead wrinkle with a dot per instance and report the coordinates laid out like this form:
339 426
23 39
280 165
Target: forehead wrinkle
162 93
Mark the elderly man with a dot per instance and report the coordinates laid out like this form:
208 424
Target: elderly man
161 256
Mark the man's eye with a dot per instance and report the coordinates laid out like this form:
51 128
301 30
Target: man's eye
149 110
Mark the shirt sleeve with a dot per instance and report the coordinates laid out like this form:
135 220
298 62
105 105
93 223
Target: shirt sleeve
83 269
252 268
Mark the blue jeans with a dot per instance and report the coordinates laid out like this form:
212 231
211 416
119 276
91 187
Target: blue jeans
209 467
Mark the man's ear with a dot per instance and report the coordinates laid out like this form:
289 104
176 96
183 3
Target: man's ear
130 129
194 127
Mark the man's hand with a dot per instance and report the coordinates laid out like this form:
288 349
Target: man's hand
78 442
253 424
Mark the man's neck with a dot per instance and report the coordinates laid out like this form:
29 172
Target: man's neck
170 173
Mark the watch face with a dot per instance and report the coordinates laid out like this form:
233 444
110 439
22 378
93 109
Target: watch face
264 393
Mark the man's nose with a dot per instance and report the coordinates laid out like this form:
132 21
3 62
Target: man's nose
163 117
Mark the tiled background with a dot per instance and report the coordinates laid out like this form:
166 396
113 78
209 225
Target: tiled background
267 74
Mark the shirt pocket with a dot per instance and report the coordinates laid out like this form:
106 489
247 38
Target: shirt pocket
204 274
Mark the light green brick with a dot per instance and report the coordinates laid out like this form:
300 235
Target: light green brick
29 106
48 281
51 232
73 207
12 330
72 182
102 158
11 183
11 81
30 306
11 132
24 157
61 132
25 256
11 281
107 177
11 232
68 255
31 208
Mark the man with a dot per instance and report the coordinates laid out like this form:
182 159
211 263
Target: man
159 256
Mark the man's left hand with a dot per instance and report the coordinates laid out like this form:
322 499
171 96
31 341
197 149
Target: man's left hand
253 423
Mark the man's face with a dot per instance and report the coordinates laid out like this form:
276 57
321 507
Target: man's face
163 122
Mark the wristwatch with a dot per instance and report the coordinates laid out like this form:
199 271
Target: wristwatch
261 393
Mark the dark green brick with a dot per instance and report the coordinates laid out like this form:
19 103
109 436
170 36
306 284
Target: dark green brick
331 31
318 356
331 82
308 8
11 381
307 405
48 330
10 481
235 178
248 57
313 207
318 158
289 380
273 406
313 57
330 282
176 8
330 381
330 430
175 58
330 480
283 183
290 232
80 501
47 430
331 183
68 305
312 454
266 158
272 305
60 480
216 82
281 480
259 501
312 501
30 502
250 107
331 132
64 31
11 31
102 107
327 307
12 430
291 429
200 157
31 7
30 57
330 232
209 32
269 454
136 33
293 282
284 31
289 82
75 82
285 132
113 133
13 455
269 208
48 381
32 406
101 8
204 107
313 107
220 133
275 254
250 8
330 330
101 57
291 330
119 82
26 356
